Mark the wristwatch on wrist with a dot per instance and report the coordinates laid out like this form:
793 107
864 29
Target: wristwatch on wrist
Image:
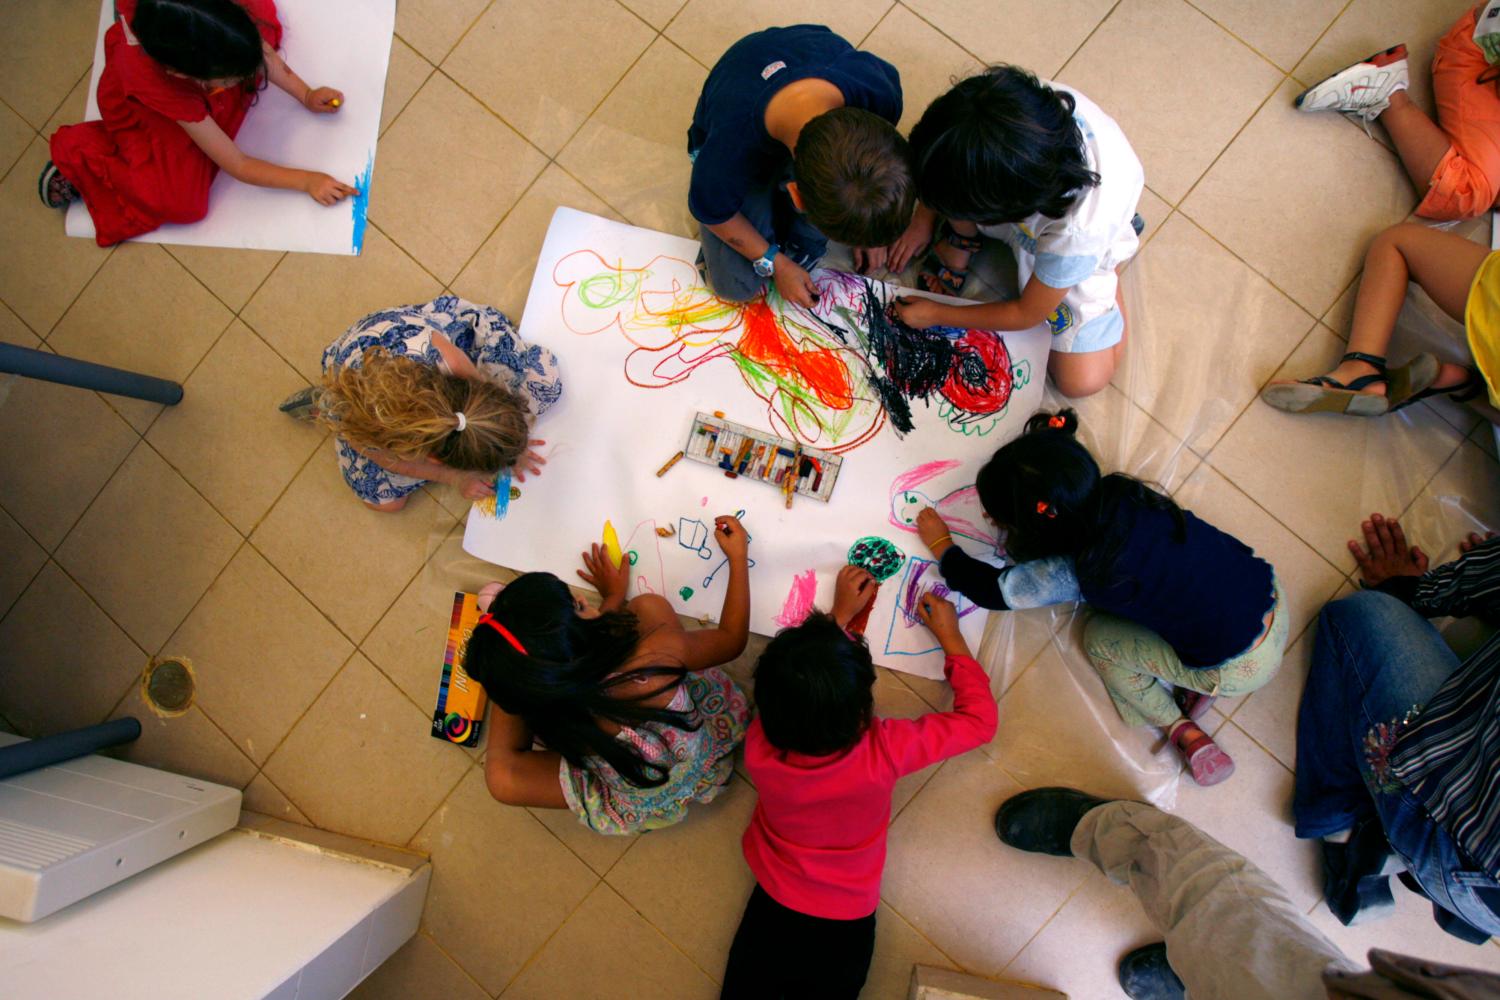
765 264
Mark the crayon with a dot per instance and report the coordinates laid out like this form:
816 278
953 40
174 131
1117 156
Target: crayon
670 462
790 484
335 102
612 544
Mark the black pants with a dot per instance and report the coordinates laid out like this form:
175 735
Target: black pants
780 954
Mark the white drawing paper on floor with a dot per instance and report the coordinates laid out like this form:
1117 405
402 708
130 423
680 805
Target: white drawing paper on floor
345 45
644 346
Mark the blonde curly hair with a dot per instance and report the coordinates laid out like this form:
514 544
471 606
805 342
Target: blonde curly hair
410 410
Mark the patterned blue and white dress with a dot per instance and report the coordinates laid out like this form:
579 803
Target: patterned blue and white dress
483 333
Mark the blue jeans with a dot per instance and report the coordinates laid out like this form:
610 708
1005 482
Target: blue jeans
1374 662
770 210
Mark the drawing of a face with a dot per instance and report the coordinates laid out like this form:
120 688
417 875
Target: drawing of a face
905 507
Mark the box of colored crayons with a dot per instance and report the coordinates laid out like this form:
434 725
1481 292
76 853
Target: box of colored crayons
788 465
459 716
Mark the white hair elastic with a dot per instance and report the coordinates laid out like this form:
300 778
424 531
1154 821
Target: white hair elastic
463 421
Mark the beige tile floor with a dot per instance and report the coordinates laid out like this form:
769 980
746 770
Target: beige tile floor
221 532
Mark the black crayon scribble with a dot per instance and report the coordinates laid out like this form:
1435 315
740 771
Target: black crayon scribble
908 364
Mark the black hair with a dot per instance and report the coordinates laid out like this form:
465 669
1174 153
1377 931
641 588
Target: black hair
575 671
813 688
201 39
999 147
1046 491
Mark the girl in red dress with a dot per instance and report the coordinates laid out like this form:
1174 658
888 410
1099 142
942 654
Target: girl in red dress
179 76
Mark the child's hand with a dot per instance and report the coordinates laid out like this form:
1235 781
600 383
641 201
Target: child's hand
868 260
941 618
794 284
854 589
326 190
530 461
600 572
911 242
730 535
933 531
917 312
323 100
1468 544
475 485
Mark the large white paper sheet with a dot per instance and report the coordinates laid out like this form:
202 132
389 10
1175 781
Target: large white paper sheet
643 346
344 44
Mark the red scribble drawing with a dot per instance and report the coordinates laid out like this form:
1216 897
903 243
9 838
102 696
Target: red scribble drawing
830 377
799 599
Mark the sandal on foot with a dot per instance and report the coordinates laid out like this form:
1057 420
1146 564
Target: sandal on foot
301 405
948 280
55 190
1321 394
1472 385
1193 704
1412 381
1208 764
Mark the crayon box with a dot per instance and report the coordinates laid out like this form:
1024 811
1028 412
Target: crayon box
459 715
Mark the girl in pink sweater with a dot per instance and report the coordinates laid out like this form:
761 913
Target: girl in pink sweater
824 768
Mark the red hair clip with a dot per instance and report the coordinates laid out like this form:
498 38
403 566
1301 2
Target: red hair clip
1044 508
1057 421
488 619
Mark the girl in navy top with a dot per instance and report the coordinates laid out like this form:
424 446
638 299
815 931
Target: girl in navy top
1175 599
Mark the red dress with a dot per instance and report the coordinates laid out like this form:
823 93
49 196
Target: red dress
136 167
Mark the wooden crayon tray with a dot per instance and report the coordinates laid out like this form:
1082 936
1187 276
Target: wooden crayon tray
762 456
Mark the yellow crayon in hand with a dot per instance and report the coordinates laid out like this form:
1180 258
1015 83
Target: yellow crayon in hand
335 102
612 544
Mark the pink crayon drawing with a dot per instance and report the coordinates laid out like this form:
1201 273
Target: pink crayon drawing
960 509
799 600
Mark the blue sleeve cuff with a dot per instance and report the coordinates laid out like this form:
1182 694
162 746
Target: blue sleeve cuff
1040 582
1057 271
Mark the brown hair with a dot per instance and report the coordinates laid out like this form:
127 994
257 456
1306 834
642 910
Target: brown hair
410 410
853 172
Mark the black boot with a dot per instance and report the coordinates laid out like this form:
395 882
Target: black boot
1145 975
1043 820
1354 880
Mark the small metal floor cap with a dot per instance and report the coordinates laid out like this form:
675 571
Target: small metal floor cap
167 686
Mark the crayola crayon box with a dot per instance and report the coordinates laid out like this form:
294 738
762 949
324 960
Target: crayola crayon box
459 716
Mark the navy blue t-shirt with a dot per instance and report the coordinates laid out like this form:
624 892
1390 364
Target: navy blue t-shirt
734 153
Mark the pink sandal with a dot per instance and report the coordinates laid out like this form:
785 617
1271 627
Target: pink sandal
1208 764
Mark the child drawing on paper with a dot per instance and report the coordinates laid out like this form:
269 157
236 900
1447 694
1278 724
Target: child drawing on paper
178 79
824 766
633 718
444 392
960 508
1174 599
1041 167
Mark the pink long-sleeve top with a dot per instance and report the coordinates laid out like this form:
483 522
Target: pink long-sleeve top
816 842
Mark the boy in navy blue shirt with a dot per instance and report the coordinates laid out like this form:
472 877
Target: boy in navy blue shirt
794 141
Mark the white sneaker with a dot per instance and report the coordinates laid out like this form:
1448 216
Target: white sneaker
1360 91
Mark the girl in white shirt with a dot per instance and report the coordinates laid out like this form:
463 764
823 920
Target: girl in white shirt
1006 156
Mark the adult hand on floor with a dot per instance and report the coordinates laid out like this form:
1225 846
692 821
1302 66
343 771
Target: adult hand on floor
1385 553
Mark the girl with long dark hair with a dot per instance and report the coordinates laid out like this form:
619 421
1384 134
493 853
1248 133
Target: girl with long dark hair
1174 598
617 712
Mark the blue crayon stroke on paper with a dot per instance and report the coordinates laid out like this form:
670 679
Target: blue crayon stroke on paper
502 495
361 204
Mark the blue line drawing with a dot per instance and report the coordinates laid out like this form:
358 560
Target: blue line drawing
361 203
920 577
709 579
692 534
